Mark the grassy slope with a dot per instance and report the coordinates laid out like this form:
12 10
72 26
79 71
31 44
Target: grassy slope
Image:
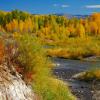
32 56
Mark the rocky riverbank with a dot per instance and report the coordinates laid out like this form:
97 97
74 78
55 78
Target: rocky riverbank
67 68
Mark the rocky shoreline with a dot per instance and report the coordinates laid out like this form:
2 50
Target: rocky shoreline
82 90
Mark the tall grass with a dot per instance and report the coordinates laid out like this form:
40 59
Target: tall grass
33 58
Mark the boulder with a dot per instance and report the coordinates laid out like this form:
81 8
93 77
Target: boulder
12 87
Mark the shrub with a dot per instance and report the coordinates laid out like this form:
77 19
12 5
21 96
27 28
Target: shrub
1 51
36 64
75 48
31 55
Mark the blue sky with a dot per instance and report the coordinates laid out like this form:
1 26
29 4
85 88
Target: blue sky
52 6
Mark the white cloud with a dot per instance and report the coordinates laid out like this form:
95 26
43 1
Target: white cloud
55 5
92 6
64 6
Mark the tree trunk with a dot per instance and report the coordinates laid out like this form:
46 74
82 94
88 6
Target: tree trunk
12 87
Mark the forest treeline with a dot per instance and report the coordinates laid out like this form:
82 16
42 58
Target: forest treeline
49 26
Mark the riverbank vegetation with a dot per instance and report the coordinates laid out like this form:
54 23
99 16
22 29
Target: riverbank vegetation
76 48
28 56
71 38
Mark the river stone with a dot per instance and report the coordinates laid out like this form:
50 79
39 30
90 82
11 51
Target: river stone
12 87
79 75
88 75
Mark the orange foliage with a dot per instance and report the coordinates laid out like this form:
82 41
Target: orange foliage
58 26
1 51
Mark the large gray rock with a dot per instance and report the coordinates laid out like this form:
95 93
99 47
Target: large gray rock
12 87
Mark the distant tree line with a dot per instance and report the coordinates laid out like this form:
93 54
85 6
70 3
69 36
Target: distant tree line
49 26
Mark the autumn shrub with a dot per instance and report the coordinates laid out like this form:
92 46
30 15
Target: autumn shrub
58 52
1 50
30 54
71 53
75 48
36 66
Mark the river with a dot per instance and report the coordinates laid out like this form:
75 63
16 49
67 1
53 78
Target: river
66 68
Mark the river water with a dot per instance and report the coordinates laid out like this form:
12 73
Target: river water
66 68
